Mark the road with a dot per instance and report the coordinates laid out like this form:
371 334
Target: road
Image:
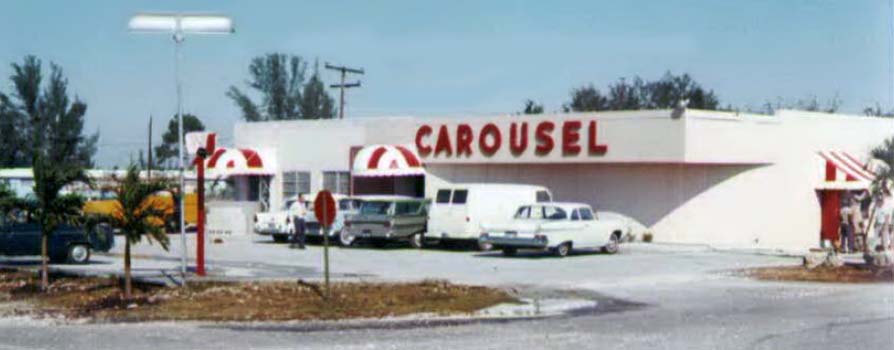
685 299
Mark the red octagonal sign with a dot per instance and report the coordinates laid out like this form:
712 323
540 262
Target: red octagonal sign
324 208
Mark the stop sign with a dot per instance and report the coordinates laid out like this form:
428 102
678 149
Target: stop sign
324 208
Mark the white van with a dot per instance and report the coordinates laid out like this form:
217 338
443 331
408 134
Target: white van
459 210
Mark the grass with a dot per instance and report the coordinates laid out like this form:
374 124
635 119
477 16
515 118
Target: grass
100 299
843 274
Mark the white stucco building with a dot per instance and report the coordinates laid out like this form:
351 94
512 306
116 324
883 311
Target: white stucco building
688 176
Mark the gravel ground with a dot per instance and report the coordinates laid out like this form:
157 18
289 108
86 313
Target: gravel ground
684 300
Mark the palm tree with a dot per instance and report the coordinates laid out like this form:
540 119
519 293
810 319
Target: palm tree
884 179
138 214
51 207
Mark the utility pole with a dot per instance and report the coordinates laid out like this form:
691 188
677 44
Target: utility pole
344 70
149 163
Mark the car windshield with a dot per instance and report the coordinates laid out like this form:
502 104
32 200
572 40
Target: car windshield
375 208
523 212
348 204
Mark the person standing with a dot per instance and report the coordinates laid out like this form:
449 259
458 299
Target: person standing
883 213
846 227
857 221
299 210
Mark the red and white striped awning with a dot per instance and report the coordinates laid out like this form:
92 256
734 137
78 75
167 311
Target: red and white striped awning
843 171
387 160
225 162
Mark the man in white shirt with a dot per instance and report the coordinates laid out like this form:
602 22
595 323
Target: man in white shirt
299 211
883 220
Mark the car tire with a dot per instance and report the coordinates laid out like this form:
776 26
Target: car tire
280 238
346 238
510 251
613 244
562 250
78 254
417 241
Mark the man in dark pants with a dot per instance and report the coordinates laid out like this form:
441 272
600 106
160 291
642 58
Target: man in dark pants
299 210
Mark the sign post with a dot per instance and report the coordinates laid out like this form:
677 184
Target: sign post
324 210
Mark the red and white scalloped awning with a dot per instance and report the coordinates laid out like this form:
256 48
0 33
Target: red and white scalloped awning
844 171
387 160
225 162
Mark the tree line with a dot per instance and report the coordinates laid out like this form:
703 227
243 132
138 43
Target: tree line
39 117
672 90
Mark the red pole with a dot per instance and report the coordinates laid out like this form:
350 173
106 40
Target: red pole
200 216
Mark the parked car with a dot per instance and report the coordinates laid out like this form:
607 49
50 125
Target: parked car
387 218
68 243
459 210
346 206
278 223
556 227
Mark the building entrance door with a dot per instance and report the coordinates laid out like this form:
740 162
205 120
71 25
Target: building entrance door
830 201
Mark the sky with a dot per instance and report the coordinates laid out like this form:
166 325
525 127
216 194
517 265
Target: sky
453 58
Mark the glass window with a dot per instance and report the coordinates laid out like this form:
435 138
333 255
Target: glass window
523 212
337 181
348 204
586 214
543 197
295 182
406 208
575 216
536 212
459 196
375 208
554 213
443 196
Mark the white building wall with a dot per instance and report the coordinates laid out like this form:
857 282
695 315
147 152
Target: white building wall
316 146
710 177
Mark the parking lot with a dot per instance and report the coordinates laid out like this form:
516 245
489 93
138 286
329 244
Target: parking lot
687 298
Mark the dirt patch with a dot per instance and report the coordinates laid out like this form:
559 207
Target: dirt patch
101 299
843 274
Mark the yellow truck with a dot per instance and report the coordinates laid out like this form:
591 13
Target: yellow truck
106 207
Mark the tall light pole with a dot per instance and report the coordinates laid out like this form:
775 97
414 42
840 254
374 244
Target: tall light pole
179 25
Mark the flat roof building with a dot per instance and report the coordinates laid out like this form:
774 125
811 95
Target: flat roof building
687 176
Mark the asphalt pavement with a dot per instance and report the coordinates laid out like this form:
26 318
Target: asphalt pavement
650 296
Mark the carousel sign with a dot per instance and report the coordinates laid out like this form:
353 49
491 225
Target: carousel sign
515 139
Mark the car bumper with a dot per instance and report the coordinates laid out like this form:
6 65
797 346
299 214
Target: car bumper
267 231
377 235
514 242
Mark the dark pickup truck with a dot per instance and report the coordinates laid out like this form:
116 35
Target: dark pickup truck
69 244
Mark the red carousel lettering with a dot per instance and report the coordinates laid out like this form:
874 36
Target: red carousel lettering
496 139
518 140
422 133
593 143
544 137
570 137
443 144
464 136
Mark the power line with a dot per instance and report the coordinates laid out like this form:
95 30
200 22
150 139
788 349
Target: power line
344 70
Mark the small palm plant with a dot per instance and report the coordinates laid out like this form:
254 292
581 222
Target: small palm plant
136 214
51 207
